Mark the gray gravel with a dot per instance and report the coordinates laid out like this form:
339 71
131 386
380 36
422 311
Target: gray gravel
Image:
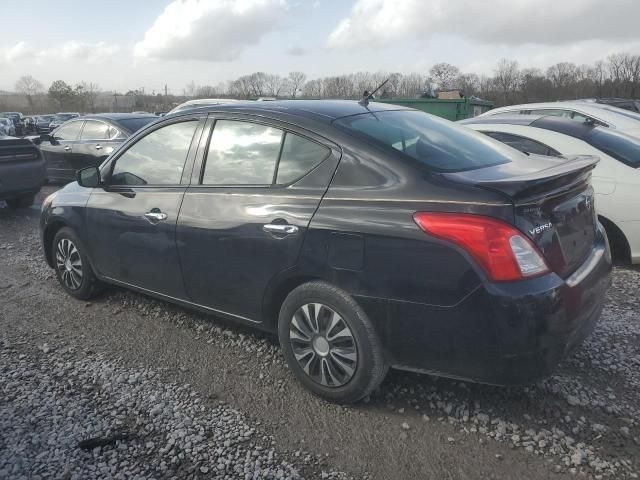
54 400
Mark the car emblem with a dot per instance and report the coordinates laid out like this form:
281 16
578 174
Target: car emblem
540 228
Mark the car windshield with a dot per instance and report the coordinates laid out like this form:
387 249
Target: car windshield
436 143
135 124
618 145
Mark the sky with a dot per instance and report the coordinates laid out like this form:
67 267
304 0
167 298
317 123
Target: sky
134 44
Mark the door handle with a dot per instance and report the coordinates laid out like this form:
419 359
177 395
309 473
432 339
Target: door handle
98 147
67 148
283 229
155 216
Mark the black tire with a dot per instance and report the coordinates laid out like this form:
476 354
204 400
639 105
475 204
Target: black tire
21 202
88 286
371 367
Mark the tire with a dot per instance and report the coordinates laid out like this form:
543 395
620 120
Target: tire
79 282
325 354
21 202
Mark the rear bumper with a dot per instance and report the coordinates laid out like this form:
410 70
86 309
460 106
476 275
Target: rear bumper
21 178
502 333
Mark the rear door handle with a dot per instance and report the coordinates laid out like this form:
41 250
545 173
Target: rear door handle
67 148
282 229
98 147
155 216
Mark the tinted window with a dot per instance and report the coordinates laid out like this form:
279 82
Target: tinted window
523 144
68 131
156 159
242 153
436 143
299 156
135 124
618 145
94 130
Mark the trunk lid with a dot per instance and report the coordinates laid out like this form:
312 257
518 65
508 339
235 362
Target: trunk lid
553 204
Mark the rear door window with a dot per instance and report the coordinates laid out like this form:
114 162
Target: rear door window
94 130
242 153
68 131
299 156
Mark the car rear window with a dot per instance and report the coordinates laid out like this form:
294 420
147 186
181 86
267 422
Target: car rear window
135 124
618 145
435 143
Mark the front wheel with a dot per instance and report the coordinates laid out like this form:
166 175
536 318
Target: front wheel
72 265
330 343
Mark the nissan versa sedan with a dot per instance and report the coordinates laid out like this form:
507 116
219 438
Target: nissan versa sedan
86 141
365 235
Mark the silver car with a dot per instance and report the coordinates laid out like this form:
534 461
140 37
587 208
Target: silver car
7 128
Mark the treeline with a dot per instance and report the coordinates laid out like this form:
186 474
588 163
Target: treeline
616 76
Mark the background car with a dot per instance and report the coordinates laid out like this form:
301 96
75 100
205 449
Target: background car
17 119
366 235
616 178
86 141
60 118
600 114
7 127
43 123
22 172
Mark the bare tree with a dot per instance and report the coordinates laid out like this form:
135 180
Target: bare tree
88 92
506 77
296 83
313 89
273 85
258 81
29 87
444 75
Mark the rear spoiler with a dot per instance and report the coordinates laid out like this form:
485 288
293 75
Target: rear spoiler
561 175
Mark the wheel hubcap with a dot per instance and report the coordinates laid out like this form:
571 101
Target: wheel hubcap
323 345
69 264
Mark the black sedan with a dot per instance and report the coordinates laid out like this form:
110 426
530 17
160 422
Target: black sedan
87 141
367 236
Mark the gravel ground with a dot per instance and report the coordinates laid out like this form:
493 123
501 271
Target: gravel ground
176 393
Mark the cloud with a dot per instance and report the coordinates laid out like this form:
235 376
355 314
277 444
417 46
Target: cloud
68 51
210 30
510 22
19 51
296 51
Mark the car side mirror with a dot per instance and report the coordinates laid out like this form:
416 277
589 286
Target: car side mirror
45 137
89 177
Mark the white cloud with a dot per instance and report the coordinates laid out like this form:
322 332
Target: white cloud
513 22
211 30
68 51
20 50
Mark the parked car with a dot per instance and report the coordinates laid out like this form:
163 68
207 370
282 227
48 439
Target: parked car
17 119
7 128
86 141
22 172
366 236
624 103
60 118
616 179
599 114
201 102
43 123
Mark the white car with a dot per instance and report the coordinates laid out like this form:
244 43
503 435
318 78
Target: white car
580 111
7 128
616 178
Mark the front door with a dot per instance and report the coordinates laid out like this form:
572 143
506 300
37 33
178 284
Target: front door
58 152
244 217
95 144
131 222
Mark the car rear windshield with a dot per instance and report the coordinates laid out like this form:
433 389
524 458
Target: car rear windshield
618 145
436 143
135 124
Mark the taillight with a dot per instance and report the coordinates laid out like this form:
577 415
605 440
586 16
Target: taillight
500 249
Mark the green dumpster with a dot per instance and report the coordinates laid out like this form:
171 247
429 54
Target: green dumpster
455 109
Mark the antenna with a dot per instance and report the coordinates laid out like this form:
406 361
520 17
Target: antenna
366 96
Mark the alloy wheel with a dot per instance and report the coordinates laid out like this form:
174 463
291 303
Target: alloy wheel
323 345
69 264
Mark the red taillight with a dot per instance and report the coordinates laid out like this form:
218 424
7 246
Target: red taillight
500 249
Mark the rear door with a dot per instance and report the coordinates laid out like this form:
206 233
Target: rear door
58 152
131 222
95 144
255 187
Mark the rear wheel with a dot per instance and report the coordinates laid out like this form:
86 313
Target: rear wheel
330 343
21 202
72 265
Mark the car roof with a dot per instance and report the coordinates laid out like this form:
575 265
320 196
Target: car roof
562 125
320 110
